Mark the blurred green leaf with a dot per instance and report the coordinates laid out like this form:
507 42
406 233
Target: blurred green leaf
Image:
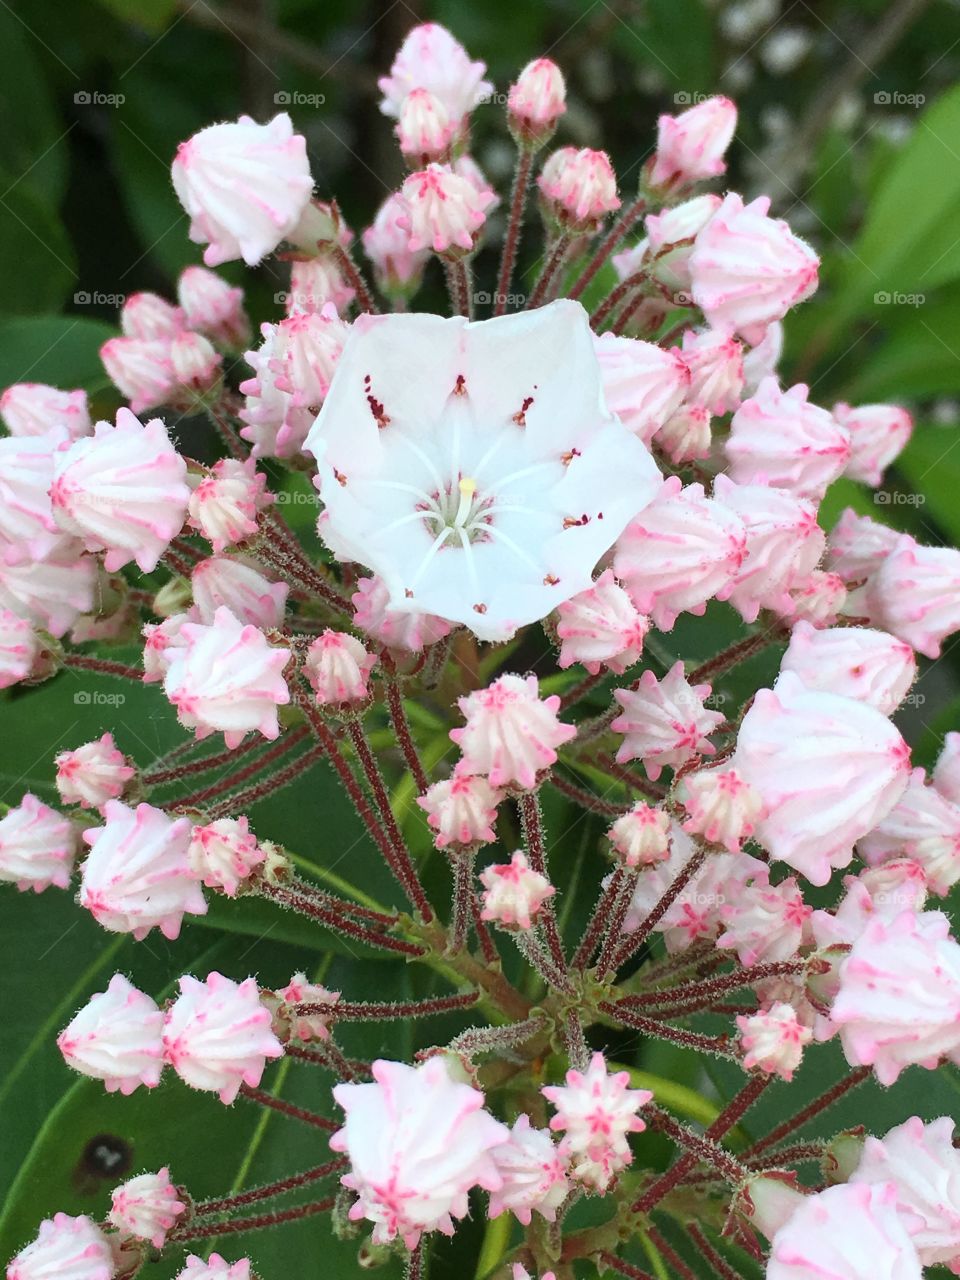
37 267
151 15
32 140
61 350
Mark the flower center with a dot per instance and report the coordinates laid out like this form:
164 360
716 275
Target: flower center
458 510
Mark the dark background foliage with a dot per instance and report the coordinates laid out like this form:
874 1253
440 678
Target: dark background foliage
850 120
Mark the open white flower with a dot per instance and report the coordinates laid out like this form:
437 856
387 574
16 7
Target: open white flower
475 467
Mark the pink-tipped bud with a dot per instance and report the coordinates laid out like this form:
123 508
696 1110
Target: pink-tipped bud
424 129
33 409
691 146
442 211
535 103
141 369
641 837
213 307
148 316
513 893
196 369
578 188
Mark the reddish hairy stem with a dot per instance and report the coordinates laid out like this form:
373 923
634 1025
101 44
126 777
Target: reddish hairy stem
738 652
634 941
267 786
236 1225
630 777
615 297
339 923
488 947
226 1204
511 240
812 1109
265 1099
712 988
665 1031
300 572
554 262
576 692
798 1153
680 1270
102 666
624 1268
597 922
401 727
250 770
382 1011
627 219
614 933
531 820
458 283
586 799
206 762
354 278
709 1254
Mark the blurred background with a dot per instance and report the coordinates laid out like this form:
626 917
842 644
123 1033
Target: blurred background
849 120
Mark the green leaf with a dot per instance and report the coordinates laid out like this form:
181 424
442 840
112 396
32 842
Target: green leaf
61 350
37 267
33 138
152 15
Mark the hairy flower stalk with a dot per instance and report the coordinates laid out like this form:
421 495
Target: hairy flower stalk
614 848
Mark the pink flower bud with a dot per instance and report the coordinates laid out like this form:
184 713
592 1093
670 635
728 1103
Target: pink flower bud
20 649
418 1142
461 810
226 504
784 544
511 732
224 853
137 875
827 769
159 641
291 1024
686 434
513 893
682 550
33 409
146 1207
691 146
924 1166
765 923
533 1173
315 282
849 1231
579 187
748 270
817 598
915 593
215 1268
37 846
141 369
408 630
779 438
123 491
217 1036
721 807
304 353
424 129
642 383
430 58
149 317
196 368
338 668
67 1247
28 531
235 583
536 101
244 185
858 546
899 997
117 1038
235 697
399 269
441 211
50 595
214 307
664 722
93 774
641 838
601 627
596 1111
924 826
856 662
773 1040
274 425
878 433
715 361
670 237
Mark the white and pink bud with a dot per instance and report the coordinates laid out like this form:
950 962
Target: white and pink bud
315 283
149 317
536 101
137 875
857 546
65 1247
226 504
338 668
856 662
461 810
28 531
671 236
747 269
159 640
213 307
33 409
398 268
226 677
923 826
878 434
217 1035
424 129
215 1267
408 630
533 1174
691 146
715 361
765 923
511 732
418 1142
430 58
641 838
147 1207
596 1111
578 188
682 550
37 846
123 491
21 649
53 593
93 774
915 594
292 1023
827 768
819 598
197 369
721 807
237 583
244 186
224 853
778 438
665 722
117 1038
643 384
141 370
442 211
773 1040
513 893
686 434
601 628
304 353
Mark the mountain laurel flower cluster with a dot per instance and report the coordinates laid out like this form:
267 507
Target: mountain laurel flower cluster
461 575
